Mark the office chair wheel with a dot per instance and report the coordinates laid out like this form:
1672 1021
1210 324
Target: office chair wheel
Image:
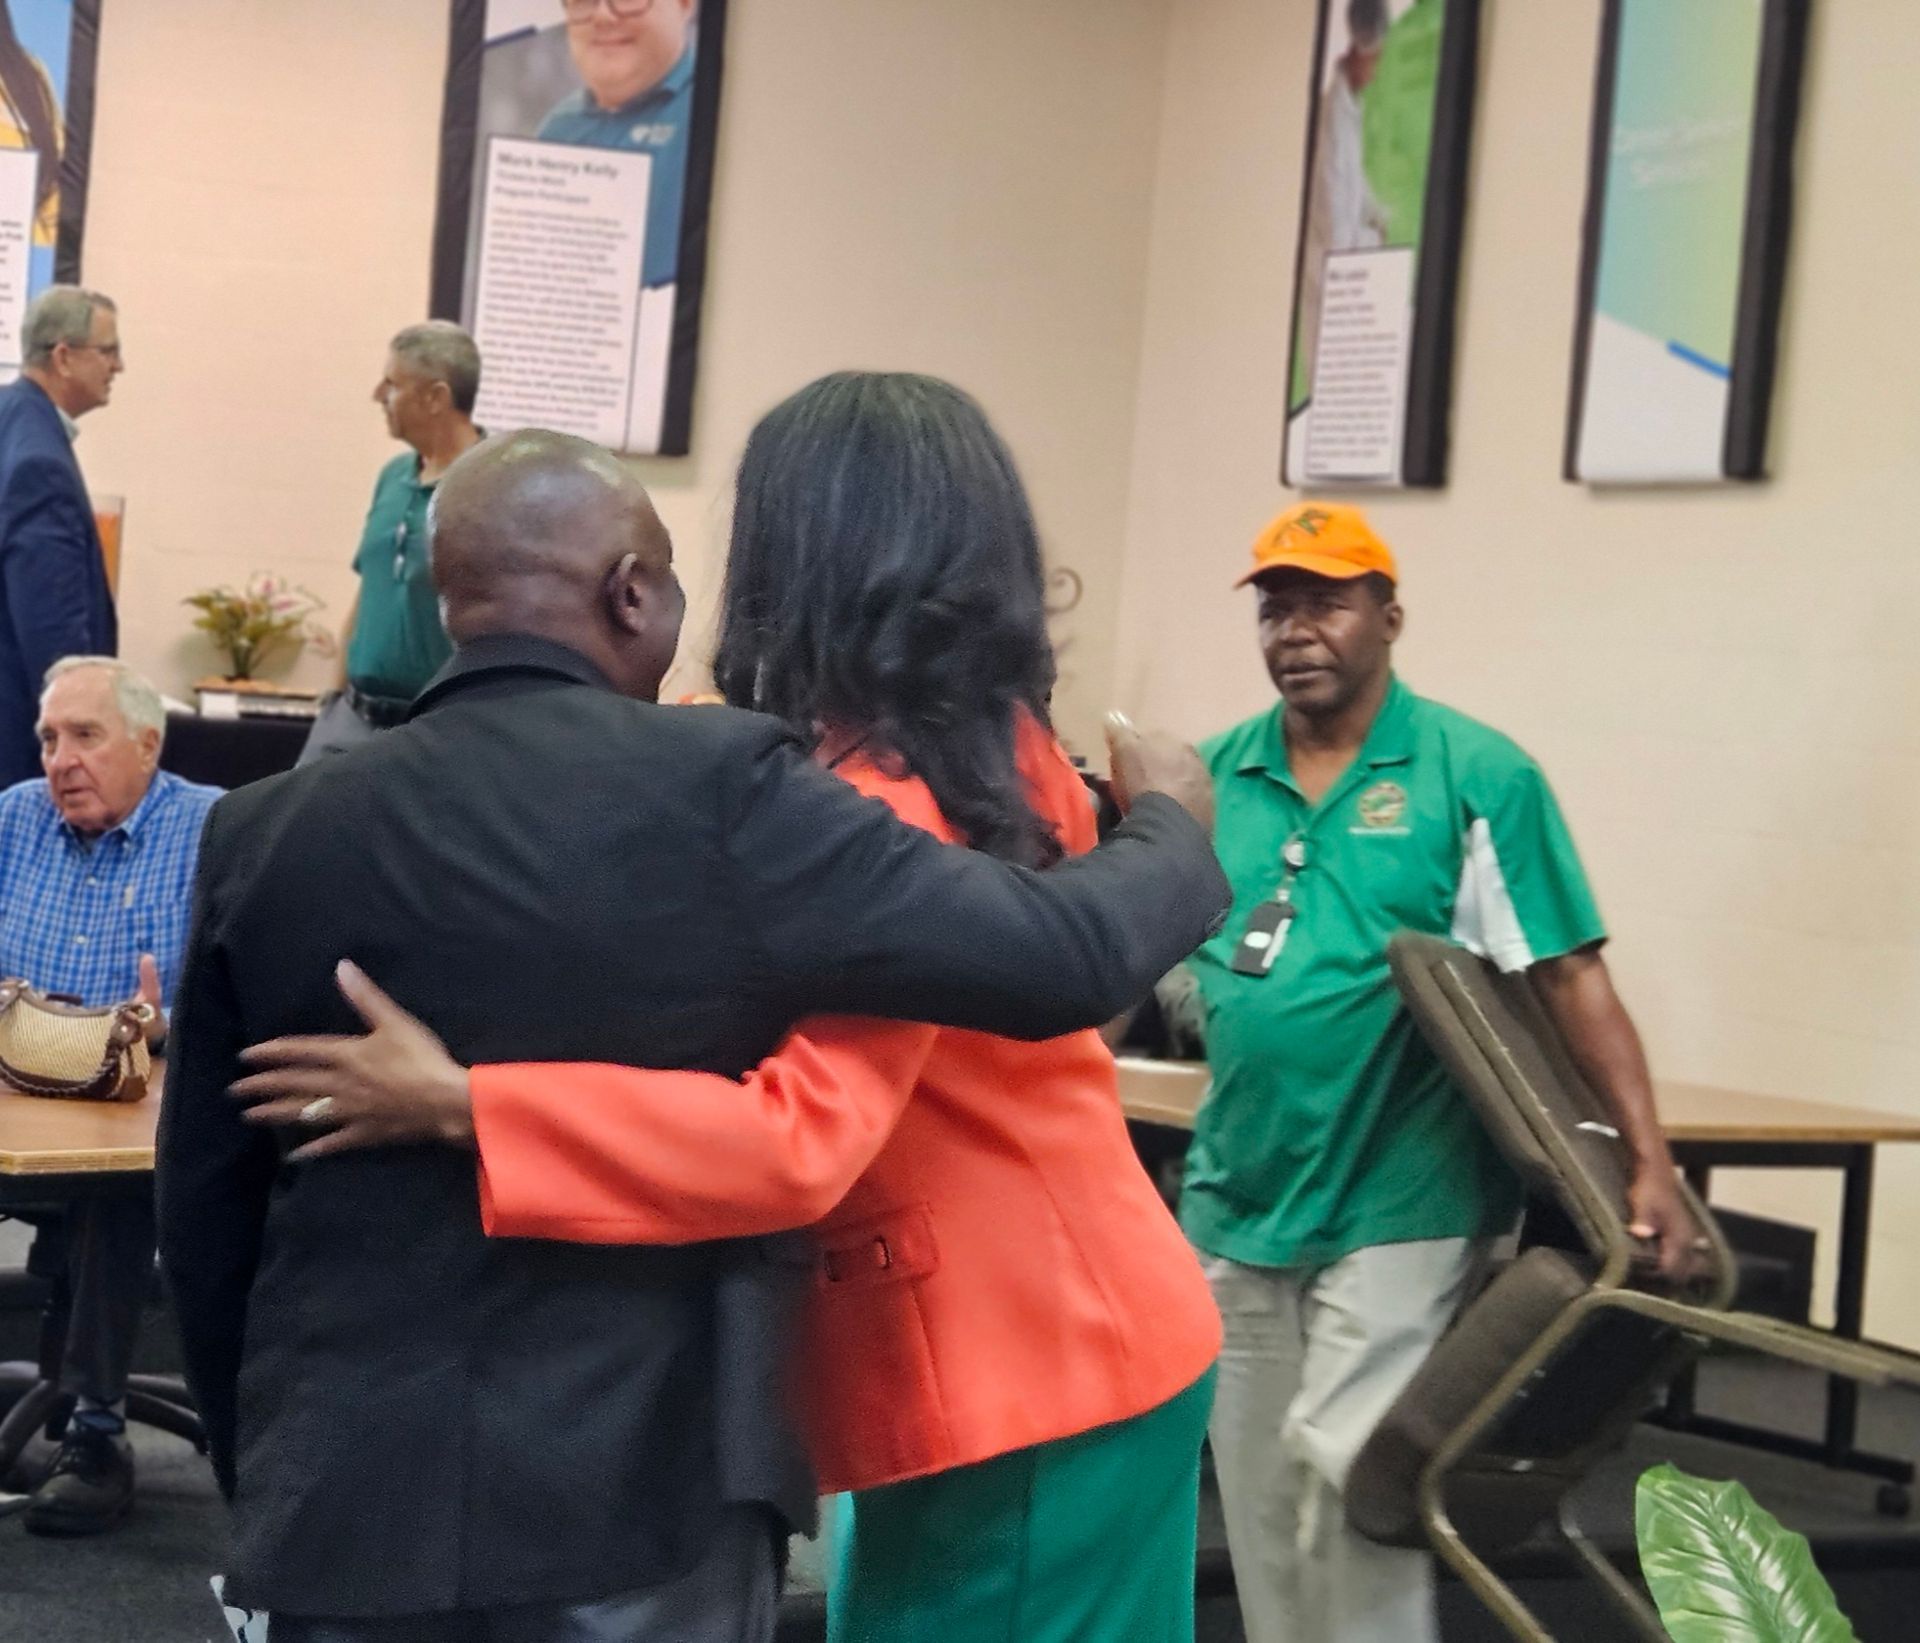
1893 1500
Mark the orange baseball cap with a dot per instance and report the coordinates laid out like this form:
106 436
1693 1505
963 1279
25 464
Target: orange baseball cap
1323 539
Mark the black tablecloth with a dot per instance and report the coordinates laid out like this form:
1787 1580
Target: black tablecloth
231 752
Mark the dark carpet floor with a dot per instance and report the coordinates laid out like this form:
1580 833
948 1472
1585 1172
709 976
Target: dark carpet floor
147 1582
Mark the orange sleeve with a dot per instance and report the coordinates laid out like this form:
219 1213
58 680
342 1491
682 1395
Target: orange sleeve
593 1154
1054 787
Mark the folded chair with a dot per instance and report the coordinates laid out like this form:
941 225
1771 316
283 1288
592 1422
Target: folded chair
1549 1368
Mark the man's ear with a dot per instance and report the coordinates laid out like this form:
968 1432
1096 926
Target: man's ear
148 741
628 596
1395 617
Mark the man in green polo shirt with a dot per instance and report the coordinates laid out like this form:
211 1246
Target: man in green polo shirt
1339 1188
392 642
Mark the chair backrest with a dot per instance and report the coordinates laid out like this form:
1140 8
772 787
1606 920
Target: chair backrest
1512 1066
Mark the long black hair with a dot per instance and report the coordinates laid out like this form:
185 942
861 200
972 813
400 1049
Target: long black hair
885 582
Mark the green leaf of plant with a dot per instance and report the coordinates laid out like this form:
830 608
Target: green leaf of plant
1723 1570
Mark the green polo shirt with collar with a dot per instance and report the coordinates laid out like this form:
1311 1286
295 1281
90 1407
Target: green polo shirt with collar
1330 1126
398 643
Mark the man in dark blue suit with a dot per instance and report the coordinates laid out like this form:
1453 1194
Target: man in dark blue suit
54 598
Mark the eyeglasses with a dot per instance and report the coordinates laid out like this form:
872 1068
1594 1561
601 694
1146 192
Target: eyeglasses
580 11
110 349
400 551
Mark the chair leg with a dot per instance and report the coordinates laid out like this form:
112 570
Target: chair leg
167 1416
1499 1599
35 1405
1634 1608
168 1388
17 1378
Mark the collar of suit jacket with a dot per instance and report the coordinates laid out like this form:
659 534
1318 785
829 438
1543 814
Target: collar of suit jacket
498 653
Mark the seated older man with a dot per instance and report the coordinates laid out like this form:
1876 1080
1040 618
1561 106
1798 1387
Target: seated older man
96 875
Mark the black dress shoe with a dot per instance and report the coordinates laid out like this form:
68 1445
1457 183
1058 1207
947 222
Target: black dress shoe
90 1488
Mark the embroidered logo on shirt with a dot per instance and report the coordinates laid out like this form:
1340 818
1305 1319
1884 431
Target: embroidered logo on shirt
1382 806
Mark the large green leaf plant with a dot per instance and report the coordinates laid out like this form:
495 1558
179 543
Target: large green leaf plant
1722 1569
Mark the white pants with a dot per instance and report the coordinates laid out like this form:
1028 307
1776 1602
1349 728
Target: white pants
1314 1357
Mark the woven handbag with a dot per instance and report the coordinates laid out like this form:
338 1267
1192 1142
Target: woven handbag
51 1047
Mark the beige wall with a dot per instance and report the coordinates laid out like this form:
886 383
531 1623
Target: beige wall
1721 682
910 184
260 207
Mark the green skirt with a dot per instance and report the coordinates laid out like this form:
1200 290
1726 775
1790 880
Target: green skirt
1088 1539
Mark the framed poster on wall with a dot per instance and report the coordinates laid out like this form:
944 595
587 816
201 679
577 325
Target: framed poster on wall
1683 261
1371 359
47 54
576 163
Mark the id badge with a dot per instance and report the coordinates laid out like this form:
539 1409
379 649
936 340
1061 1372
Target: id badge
1265 935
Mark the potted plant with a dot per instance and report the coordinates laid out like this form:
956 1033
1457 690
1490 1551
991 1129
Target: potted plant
1722 1569
267 616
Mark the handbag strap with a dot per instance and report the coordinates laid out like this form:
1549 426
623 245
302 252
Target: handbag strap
131 1020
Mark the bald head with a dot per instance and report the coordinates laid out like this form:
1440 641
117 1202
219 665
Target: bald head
537 507
541 533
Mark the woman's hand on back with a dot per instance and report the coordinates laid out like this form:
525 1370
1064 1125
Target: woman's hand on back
394 1085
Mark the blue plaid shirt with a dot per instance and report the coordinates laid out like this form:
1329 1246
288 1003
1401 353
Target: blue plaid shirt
75 915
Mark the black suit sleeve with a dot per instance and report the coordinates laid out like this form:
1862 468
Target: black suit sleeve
850 909
212 1172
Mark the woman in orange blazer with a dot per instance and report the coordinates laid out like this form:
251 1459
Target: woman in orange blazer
1007 1358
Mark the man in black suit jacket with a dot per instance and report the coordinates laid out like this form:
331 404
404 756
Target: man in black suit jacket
54 598
420 1428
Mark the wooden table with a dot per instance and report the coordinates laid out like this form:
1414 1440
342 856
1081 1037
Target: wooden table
52 1150
1169 1092
1710 1129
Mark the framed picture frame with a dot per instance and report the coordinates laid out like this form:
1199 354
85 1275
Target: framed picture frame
48 52
1684 246
1376 273
576 171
